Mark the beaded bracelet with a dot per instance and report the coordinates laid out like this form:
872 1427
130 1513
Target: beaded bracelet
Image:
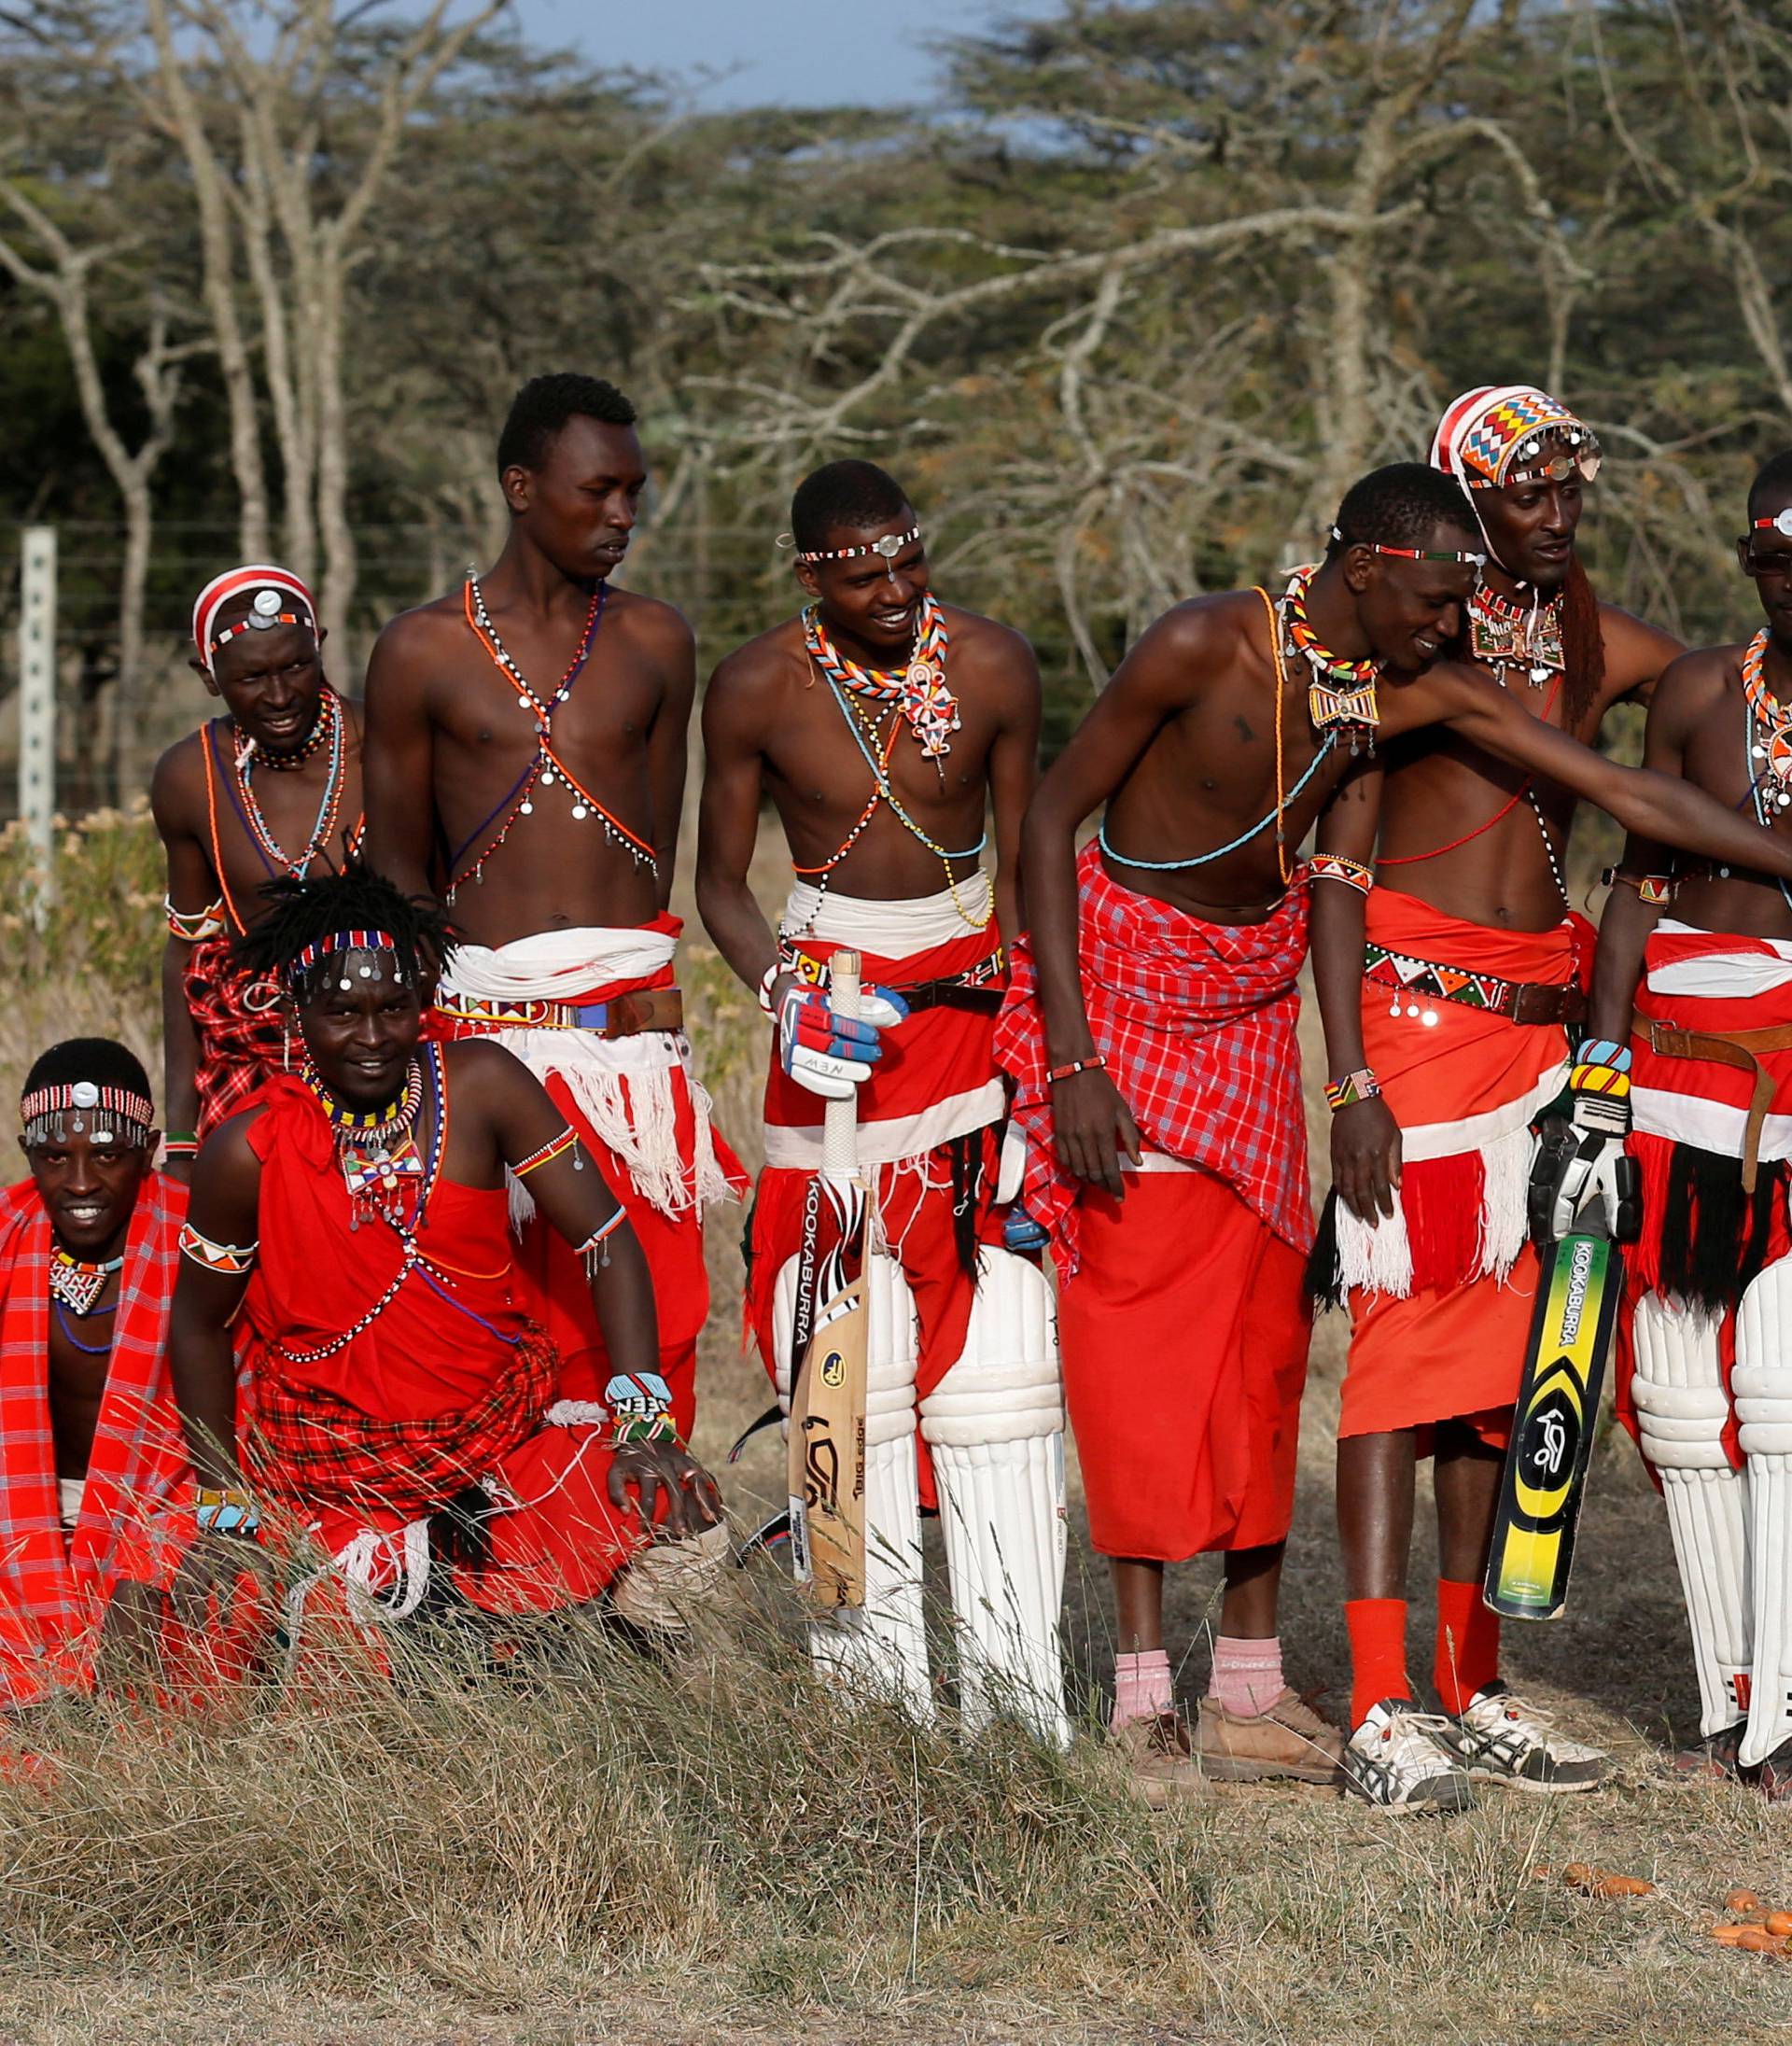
1655 888
179 1143
1093 1063
766 981
1601 1067
655 1428
595 1249
1335 867
225 1511
1361 1086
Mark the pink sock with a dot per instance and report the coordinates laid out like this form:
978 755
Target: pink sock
1142 1687
1247 1674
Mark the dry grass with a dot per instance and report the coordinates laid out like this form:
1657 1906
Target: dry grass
613 1851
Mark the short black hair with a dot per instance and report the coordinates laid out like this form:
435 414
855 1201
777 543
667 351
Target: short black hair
1402 505
1774 479
852 495
101 1060
542 406
297 914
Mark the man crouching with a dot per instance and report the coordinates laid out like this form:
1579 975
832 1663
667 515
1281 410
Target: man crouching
405 1410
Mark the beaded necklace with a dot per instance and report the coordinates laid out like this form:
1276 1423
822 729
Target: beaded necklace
75 1283
919 687
247 748
375 1147
1503 634
329 724
1769 732
547 767
87 1350
876 756
1340 696
407 1231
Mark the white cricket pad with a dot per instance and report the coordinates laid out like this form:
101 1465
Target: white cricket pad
994 1427
1680 1410
1761 1382
881 1649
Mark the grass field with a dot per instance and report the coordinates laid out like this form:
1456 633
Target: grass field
613 1853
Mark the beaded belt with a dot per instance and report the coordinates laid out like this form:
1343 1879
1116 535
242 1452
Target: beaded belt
979 988
623 1016
1426 980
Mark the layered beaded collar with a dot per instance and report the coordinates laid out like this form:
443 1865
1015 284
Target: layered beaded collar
77 1283
375 1147
1340 694
1505 634
919 687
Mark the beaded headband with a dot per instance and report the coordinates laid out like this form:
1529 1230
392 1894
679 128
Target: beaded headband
1414 554
1780 523
1485 431
46 1106
268 583
321 950
890 545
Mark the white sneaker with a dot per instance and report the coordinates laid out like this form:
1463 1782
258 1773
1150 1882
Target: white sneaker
1506 1739
1396 1760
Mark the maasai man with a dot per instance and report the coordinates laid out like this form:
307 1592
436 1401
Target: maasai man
1456 984
355 1213
885 726
91 1453
528 733
272 789
1151 1030
1710 1397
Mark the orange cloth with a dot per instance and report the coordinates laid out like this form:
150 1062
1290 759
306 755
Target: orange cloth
1378 1630
1455 1355
1468 1657
1183 1338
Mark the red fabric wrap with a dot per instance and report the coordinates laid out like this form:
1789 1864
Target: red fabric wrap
448 1383
240 1044
1197 1023
1455 1348
1183 1336
54 1584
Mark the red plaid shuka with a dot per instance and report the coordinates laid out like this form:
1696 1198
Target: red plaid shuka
1197 1023
237 1019
55 1583
317 1447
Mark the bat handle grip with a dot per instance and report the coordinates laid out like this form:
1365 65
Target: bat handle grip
840 1122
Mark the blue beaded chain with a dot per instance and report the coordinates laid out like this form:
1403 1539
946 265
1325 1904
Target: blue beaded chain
1244 838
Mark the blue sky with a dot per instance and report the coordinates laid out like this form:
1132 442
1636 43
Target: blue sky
790 52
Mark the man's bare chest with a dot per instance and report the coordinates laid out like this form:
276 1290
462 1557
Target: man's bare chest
603 715
827 754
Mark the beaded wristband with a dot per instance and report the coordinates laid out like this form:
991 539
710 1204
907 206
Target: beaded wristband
595 1249
655 1428
1093 1063
1361 1086
765 980
1601 1067
1334 867
180 1147
225 1511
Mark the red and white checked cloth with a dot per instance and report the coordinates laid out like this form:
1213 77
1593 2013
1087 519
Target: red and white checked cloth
54 1583
1197 1023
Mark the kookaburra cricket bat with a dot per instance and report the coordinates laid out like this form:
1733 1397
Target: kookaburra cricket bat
830 1345
1553 1431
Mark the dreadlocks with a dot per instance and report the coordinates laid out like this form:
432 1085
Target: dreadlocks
303 922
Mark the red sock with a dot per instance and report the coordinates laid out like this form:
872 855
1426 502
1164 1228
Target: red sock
1377 1653
1468 1644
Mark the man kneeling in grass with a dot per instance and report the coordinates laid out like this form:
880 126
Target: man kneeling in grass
92 1461
354 1214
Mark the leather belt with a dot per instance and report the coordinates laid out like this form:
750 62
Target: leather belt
1737 1049
1526 1001
951 994
621 1015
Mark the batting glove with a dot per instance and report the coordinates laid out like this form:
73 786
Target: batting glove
1585 1166
828 1053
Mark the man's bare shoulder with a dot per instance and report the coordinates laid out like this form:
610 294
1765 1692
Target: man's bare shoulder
427 632
1206 628
1636 653
650 621
756 670
1697 681
175 782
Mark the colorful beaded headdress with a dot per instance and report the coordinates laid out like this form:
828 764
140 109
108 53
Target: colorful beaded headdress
1488 434
109 1115
319 950
265 585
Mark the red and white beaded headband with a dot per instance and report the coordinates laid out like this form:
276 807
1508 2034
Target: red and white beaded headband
1780 523
889 547
264 585
1414 554
321 950
86 1096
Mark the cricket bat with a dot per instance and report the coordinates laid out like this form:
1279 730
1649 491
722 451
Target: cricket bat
829 1344
1552 1433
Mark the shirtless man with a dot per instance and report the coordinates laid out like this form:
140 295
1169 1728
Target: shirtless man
885 726
526 758
1151 1030
272 789
1456 986
1694 973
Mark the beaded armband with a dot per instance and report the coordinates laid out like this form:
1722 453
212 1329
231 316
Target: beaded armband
595 1249
1601 1067
1657 889
225 1511
1361 1086
555 1148
231 1259
194 928
179 1143
1334 867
